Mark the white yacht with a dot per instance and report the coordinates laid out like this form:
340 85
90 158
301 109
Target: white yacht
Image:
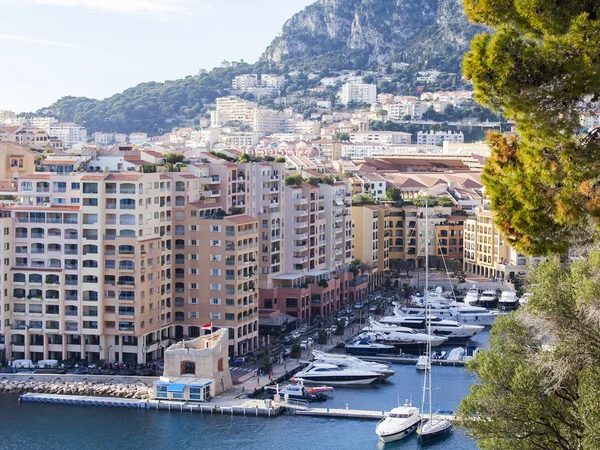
352 362
367 347
463 314
332 374
451 329
399 423
405 339
508 301
472 297
488 299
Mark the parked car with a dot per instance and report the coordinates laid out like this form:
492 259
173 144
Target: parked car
96 372
128 372
239 361
304 345
8 370
287 340
81 371
286 353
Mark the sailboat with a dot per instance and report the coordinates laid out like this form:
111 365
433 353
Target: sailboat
429 428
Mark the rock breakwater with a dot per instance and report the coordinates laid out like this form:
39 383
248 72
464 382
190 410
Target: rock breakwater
89 388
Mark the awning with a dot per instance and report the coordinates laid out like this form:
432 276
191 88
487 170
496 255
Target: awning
160 383
339 203
176 387
208 383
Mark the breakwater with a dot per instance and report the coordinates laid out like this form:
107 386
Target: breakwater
137 391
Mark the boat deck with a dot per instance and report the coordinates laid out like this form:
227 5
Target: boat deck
405 360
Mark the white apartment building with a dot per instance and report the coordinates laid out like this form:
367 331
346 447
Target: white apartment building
267 121
380 137
243 82
41 122
398 111
138 138
439 137
428 76
358 93
103 139
70 133
272 81
8 117
233 109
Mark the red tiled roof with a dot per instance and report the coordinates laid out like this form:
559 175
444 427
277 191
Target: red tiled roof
92 177
124 176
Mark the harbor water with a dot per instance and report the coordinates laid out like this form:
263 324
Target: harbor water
48 426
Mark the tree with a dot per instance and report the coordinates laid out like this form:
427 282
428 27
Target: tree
538 66
368 79
394 194
244 158
539 380
294 179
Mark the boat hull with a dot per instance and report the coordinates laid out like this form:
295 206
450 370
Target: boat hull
400 434
369 351
355 380
435 433
507 306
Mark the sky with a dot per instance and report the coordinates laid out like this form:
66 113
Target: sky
97 48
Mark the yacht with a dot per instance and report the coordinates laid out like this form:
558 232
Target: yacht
352 362
406 339
299 392
508 301
472 297
366 347
434 429
463 314
332 374
454 331
399 423
488 299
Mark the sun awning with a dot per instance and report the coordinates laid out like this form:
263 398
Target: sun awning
339 202
200 384
176 387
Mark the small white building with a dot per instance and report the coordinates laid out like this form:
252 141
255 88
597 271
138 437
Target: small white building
358 93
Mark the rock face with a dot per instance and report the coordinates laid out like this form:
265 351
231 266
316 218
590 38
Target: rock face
357 33
89 388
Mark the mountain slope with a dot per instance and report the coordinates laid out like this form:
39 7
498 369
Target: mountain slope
357 33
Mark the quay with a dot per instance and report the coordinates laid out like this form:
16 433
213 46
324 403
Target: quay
249 408
406 360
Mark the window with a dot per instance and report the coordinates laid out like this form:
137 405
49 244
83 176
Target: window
193 301
215 272
215 287
74 201
215 243
215 228
215 301
229 316
193 315
75 186
215 257
229 302
193 227
161 391
215 316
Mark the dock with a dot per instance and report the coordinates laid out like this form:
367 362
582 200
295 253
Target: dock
408 360
248 408
347 413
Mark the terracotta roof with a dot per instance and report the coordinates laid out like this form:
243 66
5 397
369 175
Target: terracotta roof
188 176
10 128
153 153
124 176
244 218
164 177
92 177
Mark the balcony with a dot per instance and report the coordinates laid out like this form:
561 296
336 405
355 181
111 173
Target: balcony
300 259
299 225
299 236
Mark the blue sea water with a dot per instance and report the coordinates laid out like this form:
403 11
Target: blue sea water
44 426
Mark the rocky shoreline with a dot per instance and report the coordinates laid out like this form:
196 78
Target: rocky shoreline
88 388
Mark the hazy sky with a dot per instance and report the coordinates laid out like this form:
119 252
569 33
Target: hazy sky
96 48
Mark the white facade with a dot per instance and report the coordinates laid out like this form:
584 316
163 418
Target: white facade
358 93
438 137
41 122
267 121
233 109
243 82
381 137
138 138
70 133
272 81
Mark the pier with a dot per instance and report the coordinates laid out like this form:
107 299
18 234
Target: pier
250 408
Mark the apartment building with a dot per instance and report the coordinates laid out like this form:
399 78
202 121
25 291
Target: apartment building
358 93
272 81
368 239
15 160
233 109
35 138
380 137
91 269
439 137
243 82
267 121
486 253
41 122
70 133
216 277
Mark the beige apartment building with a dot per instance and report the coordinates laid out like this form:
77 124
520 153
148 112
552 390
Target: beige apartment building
486 253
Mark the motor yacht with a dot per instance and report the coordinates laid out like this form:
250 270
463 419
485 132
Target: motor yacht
463 314
399 423
508 301
488 299
332 374
299 392
405 339
472 297
367 347
453 330
352 362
